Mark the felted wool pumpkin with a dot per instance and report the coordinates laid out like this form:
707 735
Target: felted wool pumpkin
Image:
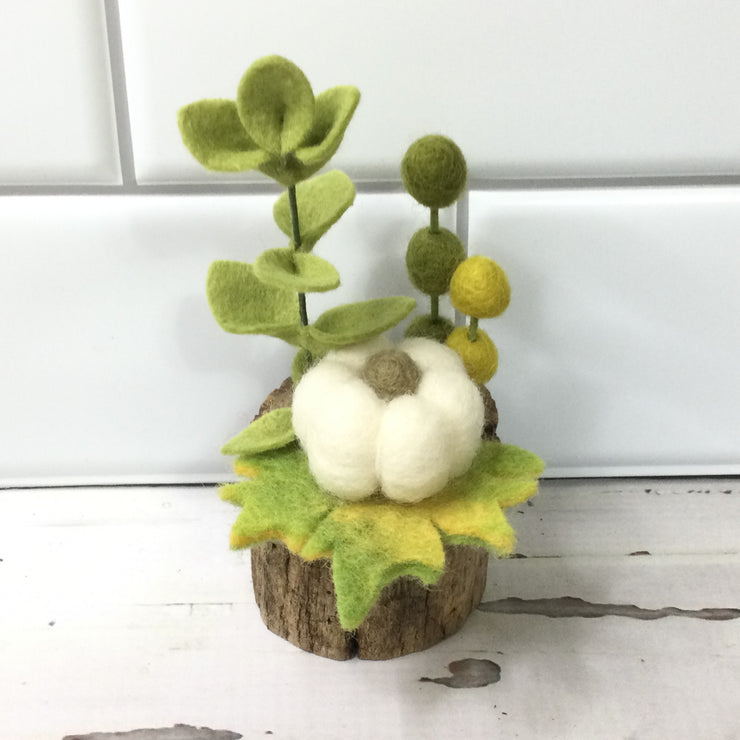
402 422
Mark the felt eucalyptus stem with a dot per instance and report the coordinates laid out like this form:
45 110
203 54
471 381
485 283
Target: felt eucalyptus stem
473 329
278 126
293 201
434 220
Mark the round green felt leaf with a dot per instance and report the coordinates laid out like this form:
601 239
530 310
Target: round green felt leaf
303 273
270 432
334 110
321 203
358 322
214 135
242 304
275 104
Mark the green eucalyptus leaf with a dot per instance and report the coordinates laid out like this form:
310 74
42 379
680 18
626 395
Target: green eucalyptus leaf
214 135
334 110
242 304
358 322
303 273
321 203
271 431
275 104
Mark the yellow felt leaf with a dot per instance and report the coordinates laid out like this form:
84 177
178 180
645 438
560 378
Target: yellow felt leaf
372 544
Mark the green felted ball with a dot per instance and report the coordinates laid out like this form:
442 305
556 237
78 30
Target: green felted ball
434 171
425 326
431 260
275 104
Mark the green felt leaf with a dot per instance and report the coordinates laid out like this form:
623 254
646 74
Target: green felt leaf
275 104
321 203
334 110
358 322
372 545
282 501
301 363
296 271
214 135
242 304
468 510
374 541
269 432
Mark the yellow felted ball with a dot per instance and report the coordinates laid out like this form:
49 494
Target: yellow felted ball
480 288
479 357
433 171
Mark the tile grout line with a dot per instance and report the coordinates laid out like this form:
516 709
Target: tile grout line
120 96
369 187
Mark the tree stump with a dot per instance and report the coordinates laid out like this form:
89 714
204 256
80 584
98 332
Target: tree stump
297 601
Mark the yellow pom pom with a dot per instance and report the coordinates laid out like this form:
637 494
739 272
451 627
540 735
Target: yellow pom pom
479 357
480 288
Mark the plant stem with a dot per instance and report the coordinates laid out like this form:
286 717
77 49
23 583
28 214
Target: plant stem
435 307
473 329
292 200
434 220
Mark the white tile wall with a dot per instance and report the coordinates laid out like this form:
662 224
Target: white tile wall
619 352
58 124
113 367
528 88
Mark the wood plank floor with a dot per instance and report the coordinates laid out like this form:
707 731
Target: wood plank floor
123 609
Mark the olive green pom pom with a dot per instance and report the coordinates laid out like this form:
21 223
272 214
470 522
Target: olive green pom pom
430 328
433 171
431 260
480 288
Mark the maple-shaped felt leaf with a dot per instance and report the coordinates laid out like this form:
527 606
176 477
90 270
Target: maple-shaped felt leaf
371 544
375 541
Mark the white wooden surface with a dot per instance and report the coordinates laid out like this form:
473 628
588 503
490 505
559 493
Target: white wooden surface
124 609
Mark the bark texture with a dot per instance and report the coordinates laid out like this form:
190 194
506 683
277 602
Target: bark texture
297 602
297 599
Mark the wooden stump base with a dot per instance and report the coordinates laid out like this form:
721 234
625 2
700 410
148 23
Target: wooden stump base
297 602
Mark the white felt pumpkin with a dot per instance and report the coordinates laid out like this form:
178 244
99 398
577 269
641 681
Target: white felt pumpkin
408 447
